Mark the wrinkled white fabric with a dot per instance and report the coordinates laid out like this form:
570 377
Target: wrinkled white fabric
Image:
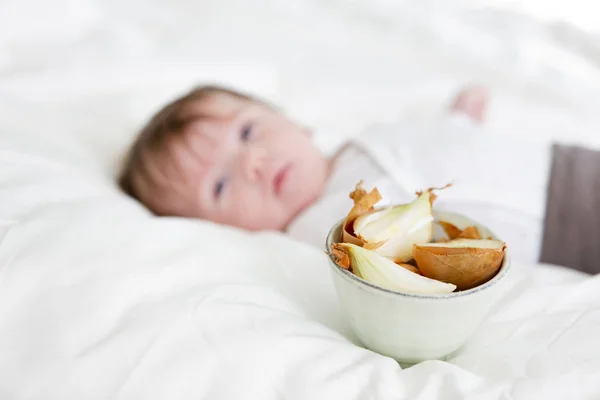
98 300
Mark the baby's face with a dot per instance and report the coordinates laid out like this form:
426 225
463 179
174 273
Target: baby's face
249 167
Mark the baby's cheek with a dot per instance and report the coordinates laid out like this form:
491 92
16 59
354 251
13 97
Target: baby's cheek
253 213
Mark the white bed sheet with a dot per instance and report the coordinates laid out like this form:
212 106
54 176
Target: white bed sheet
99 300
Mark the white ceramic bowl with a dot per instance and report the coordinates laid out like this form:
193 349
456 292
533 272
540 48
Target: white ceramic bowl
412 327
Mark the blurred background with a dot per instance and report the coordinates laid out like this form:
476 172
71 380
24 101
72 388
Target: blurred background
88 72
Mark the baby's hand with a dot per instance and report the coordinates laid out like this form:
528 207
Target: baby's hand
471 101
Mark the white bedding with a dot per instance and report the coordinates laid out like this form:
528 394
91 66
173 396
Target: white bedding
99 300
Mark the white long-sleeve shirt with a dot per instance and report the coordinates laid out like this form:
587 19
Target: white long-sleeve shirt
497 180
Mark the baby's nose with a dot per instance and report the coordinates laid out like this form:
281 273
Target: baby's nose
254 161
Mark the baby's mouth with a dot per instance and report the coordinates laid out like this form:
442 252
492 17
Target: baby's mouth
280 179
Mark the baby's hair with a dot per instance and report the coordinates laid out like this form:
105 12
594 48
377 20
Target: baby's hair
138 177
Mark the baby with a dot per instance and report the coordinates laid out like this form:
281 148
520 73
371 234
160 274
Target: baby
220 155
223 156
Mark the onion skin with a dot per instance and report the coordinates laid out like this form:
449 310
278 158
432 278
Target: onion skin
453 232
465 267
363 203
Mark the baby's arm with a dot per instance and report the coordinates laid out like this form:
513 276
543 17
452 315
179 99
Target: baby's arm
482 163
459 148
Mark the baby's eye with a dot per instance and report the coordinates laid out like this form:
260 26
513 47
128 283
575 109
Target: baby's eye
219 186
246 131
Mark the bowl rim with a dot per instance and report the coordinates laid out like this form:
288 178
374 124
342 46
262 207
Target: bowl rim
504 268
